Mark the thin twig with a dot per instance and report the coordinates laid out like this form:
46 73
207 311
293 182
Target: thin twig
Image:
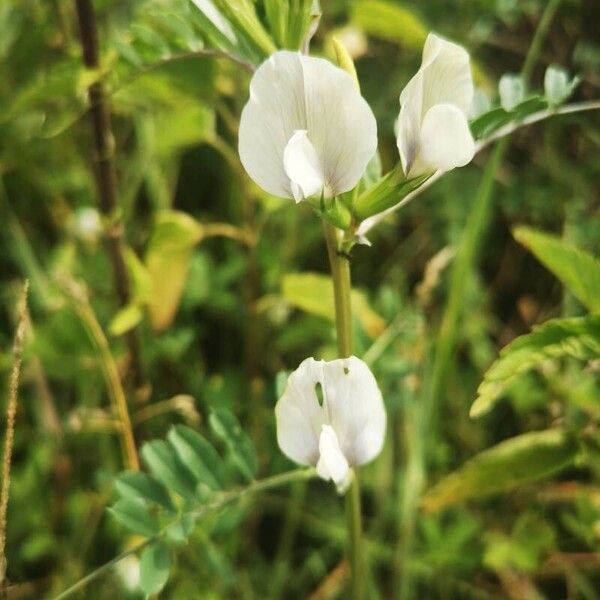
105 175
11 412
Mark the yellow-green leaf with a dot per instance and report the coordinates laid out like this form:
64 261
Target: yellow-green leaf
576 269
125 319
168 260
313 293
515 462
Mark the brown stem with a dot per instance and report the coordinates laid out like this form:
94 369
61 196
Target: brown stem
11 412
105 175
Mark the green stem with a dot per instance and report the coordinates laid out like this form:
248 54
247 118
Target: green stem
222 500
342 288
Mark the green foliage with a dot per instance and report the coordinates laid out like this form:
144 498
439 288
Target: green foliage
511 464
155 564
577 337
576 269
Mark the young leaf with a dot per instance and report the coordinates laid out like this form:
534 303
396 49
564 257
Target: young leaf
138 485
240 447
512 463
162 461
155 565
134 514
198 456
313 293
578 337
576 269
168 259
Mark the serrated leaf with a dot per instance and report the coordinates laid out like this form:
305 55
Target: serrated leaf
576 269
155 567
135 484
134 514
313 293
240 446
578 337
515 462
163 463
198 456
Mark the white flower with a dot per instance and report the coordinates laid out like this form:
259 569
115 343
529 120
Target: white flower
305 129
433 131
342 429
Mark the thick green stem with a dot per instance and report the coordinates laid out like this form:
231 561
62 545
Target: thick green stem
342 288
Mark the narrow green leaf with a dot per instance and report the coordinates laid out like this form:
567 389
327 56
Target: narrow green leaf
125 319
515 462
134 514
138 485
162 461
155 566
578 337
239 445
576 269
198 456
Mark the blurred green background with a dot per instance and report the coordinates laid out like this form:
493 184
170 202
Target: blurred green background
225 295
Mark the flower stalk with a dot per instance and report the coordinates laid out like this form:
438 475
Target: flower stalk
340 273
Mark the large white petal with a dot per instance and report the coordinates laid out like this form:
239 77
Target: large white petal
354 408
447 74
302 166
340 124
446 141
444 77
332 463
275 110
299 415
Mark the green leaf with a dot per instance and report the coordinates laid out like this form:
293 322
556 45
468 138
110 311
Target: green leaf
135 515
239 445
515 462
155 566
135 484
198 456
164 464
168 257
578 337
576 269
179 531
390 21
313 293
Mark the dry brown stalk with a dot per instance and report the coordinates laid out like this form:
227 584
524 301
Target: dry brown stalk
11 412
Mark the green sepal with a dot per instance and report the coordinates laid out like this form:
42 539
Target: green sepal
387 192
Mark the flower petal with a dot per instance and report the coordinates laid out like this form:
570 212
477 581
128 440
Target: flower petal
301 165
275 110
299 415
354 408
444 77
446 141
332 462
340 123
291 92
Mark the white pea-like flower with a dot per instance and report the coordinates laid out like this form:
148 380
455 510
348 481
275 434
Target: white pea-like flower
305 129
433 129
341 427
